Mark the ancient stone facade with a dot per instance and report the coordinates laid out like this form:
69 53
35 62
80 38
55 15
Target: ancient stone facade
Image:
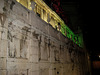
30 46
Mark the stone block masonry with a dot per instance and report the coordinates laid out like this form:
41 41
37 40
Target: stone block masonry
30 46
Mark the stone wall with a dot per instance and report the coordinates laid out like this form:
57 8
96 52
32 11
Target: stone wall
30 46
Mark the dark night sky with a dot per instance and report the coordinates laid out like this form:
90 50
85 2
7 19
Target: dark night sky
89 11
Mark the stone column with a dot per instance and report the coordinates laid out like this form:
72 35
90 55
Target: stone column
33 5
41 13
3 37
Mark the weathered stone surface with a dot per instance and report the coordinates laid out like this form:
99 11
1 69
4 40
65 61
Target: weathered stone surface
3 72
3 48
3 63
1 6
30 46
33 58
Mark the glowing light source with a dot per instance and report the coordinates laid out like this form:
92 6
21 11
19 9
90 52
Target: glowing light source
99 56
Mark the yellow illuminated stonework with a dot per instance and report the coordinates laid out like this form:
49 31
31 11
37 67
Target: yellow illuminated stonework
49 16
26 3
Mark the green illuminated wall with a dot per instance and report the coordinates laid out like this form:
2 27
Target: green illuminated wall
76 38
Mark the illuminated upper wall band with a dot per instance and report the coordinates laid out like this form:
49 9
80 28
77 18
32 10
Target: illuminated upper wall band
49 16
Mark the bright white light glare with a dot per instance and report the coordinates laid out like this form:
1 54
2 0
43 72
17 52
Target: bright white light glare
99 56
